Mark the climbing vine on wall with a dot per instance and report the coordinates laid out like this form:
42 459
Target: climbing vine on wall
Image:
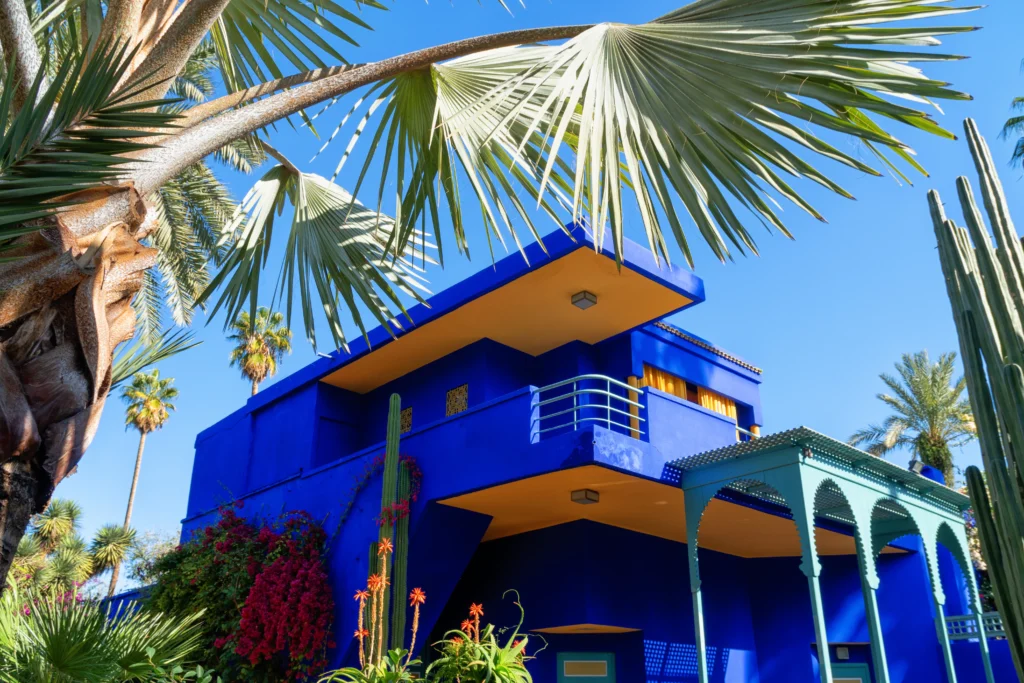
373 468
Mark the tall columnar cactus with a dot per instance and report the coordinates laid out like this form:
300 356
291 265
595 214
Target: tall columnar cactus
388 496
985 284
400 574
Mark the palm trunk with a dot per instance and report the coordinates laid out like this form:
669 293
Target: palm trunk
115 573
65 304
255 387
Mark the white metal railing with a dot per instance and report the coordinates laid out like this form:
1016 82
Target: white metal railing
589 399
965 627
744 434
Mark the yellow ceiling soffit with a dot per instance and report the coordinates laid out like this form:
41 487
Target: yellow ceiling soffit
584 628
640 505
532 313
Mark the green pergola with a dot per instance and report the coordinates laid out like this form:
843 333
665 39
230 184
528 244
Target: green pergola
818 477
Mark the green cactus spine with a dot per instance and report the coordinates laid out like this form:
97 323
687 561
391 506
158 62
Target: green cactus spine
985 284
400 574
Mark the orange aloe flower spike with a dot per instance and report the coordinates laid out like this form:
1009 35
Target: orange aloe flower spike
417 597
385 547
466 626
476 610
361 595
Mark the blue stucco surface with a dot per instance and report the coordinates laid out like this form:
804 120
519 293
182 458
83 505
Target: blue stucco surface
304 444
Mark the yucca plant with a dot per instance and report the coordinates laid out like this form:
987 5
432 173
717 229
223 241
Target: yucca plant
985 283
688 117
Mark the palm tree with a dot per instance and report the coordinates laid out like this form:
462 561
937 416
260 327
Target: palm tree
1014 127
150 400
259 345
930 413
53 558
692 114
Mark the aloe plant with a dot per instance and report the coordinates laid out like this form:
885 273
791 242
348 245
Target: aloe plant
985 283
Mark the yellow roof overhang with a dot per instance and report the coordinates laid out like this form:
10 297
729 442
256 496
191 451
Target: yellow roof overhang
532 313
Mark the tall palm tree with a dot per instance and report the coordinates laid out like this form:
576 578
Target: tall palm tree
930 413
150 400
690 115
260 342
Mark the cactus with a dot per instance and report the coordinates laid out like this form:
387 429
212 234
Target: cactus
985 284
400 574
388 496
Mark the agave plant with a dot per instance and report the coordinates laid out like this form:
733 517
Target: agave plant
689 117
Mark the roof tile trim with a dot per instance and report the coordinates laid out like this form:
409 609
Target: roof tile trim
708 347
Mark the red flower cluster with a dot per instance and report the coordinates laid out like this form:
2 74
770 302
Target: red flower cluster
268 590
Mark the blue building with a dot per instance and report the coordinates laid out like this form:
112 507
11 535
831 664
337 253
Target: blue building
610 467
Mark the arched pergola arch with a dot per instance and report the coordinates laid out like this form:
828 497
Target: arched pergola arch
947 538
802 467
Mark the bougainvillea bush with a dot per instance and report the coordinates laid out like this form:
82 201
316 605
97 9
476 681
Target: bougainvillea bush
265 590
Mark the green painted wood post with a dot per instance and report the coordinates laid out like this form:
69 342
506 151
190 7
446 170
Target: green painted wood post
986 657
818 610
869 587
943 632
694 503
698 634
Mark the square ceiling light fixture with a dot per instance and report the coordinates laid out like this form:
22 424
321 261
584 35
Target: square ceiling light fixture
584 300
586 496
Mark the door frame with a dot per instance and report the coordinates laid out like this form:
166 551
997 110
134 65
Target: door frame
852 670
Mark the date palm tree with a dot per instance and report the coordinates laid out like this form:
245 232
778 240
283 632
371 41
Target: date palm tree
150 400
1014 128
689 117
260 342
930 413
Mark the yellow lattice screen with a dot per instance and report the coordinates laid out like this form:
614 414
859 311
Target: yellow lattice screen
677 386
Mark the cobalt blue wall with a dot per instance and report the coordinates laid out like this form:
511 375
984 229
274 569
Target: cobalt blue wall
589 573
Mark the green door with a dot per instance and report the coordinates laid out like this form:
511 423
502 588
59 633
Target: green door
586 667
851 673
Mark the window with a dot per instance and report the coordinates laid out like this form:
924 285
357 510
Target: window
679 387
457 400
405 420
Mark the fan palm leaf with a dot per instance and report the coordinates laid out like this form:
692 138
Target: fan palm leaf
701 112
336 253
142 354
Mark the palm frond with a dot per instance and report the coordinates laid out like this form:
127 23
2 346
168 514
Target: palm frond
702 112
1014 127
335 258
75 136
143 354
300 31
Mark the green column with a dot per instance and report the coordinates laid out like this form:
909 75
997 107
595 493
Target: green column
875 631
986 660
943 631
698 634
824 656
869 586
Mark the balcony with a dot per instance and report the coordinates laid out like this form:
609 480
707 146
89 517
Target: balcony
587 400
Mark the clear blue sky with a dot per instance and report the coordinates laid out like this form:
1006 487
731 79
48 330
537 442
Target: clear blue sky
823 314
